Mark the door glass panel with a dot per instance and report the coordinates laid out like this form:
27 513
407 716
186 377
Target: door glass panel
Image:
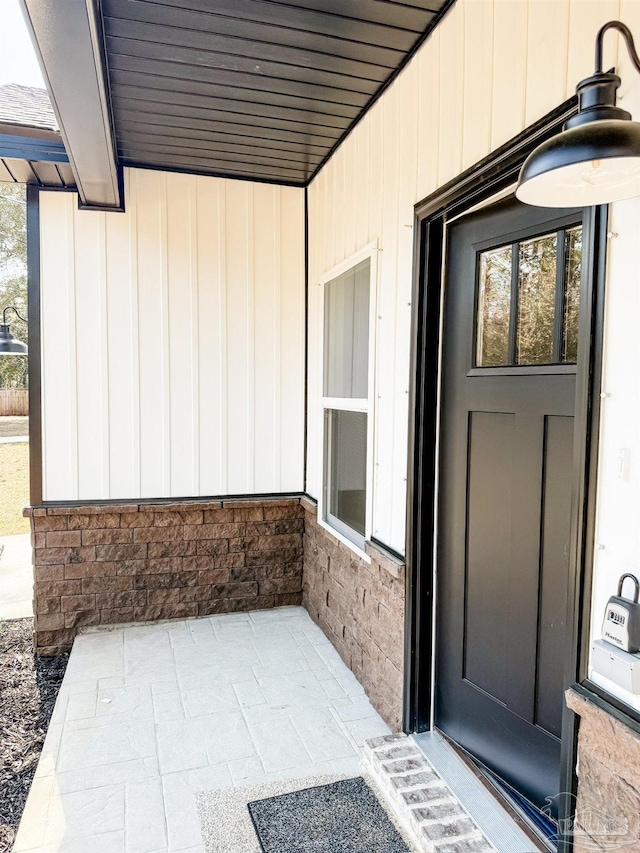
536 300
538 324
347 468
573 260
494 308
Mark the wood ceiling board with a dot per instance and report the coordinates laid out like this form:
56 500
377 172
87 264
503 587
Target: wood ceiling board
235 82
222 87
218 168
397 31
229 49
5 175
223 64
21 171
46 173
157 142
219 95
134 129
155 119
267 35
239 116
301 164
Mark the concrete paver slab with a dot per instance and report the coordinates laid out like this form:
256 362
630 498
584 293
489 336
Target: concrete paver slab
16 577
150 716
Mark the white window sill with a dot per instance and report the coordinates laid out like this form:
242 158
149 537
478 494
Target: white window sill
341 538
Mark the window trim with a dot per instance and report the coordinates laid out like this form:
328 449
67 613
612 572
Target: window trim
351 404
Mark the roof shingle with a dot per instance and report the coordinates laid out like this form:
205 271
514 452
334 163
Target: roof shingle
26 106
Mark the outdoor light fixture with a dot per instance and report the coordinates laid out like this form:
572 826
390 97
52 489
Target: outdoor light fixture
8 344
596 158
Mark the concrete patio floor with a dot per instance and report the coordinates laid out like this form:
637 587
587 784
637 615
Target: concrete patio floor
148 716
16 577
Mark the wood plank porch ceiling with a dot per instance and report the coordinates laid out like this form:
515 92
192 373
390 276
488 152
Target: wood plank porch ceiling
255 89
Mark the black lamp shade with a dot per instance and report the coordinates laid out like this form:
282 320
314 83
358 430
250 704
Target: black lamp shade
591 163
8 344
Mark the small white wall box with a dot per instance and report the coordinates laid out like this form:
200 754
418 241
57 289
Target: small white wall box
621 624
618 666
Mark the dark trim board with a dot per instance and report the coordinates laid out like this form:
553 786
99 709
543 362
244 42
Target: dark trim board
494 174
34 344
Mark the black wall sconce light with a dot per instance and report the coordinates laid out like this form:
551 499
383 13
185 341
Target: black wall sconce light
8 344
596 158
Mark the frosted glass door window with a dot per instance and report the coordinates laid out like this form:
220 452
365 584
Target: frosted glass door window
346 335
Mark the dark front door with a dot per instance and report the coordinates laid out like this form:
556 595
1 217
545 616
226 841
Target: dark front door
508 395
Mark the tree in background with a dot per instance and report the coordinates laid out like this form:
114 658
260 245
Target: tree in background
13 277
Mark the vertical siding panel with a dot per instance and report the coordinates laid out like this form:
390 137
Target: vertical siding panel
165 340
237 250
361 190
350 200
134 254
195 335
87 358
181 370
428 116
58 350
375 120
121 332
451 93
177 326
266 244
407 188
314 343
585 19
152 316
546 57
478 81
291 392
212 335
385 333
329 207
104 360
509 69
339 202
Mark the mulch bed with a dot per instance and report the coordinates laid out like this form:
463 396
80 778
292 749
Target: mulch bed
28 689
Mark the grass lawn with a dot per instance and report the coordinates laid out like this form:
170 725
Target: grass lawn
14 487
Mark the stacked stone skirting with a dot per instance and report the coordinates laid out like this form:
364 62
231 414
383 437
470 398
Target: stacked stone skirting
420 799
107 564
360 607
607 814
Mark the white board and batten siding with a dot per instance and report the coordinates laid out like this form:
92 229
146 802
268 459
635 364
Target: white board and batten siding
490 69
173 341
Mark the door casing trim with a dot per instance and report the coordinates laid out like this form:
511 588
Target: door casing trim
490 176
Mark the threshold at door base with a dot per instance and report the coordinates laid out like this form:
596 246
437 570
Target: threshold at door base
420 799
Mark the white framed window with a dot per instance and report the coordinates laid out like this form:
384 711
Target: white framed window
349 300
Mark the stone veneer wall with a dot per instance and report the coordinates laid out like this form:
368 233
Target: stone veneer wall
105 564
360 607
608 780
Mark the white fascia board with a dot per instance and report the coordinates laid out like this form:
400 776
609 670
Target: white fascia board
67 36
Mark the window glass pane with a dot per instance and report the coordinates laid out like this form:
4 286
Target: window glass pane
536 300
346 336
573 271
494 307
347 467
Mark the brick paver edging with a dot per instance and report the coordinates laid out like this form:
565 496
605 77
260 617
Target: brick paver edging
421 800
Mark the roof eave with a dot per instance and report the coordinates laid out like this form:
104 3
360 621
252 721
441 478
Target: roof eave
67 36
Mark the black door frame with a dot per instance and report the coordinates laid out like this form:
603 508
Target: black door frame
489 177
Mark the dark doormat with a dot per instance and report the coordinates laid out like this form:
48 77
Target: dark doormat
344 817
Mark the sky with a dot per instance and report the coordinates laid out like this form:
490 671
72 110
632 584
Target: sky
18 63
